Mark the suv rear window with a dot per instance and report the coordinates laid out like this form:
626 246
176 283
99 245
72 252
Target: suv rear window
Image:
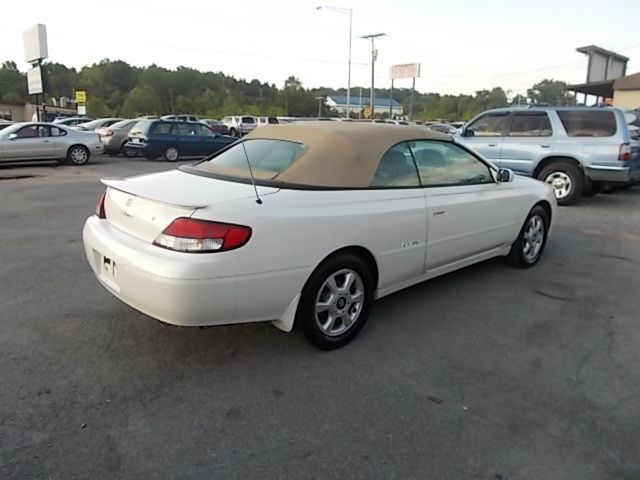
268 157
248 120
588 123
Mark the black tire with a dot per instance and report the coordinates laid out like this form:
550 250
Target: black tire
564 169
590 188
171 154
111 153
608 189
315 288
78 155
233 133
129 152
517 256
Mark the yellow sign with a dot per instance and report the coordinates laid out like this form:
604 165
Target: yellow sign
366 112
81 96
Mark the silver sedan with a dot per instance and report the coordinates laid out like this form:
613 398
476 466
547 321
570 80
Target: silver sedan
44 141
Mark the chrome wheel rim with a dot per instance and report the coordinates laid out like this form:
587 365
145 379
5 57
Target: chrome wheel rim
339 302
533 238
560 182
79 155
172 154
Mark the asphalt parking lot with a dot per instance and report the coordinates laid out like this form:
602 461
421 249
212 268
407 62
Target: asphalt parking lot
487 373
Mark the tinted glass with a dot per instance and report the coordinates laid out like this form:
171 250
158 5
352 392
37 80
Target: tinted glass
123 124
142 127
531 125
160 128
184 129
443 164
203 131
267 157
588 123
33 131
491 125
272 121
396 169
248 120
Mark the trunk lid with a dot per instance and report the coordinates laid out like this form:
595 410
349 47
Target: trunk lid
143 206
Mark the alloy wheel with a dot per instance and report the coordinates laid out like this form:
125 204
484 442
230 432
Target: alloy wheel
533 238
339 302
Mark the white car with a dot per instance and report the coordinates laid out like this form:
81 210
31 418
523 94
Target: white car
45 141
329 217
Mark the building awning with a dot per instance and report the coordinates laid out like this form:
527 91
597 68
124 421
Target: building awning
630 82
600 89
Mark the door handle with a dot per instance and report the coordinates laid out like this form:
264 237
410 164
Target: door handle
545 146
491 145
45 141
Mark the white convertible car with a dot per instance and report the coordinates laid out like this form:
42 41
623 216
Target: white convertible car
309 223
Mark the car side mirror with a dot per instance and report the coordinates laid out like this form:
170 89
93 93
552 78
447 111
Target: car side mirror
467 133
504 175
13 136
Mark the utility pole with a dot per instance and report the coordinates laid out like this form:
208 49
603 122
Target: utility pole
374 57
320 98
348 11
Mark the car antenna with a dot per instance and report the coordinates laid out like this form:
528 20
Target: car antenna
253 181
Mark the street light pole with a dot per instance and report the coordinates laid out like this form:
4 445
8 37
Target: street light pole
348 11
374 56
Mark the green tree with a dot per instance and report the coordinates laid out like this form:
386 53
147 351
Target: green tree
552 92
141 100
13 84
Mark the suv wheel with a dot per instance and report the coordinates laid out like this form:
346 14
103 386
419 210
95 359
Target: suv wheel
566 180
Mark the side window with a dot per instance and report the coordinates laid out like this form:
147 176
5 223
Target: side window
162 128
530 125
184 129
396 169
446 164
33 131
203 131
490 125
57 132
588 123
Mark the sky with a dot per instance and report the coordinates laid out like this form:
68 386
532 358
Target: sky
462 45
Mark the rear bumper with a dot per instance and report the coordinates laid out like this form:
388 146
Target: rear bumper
165 285
611 174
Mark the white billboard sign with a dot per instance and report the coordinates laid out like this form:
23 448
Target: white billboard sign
34 81
406 70
35 43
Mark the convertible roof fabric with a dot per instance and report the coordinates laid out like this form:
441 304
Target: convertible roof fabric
338 154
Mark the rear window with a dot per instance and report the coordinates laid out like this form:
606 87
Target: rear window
268 157
248 120
123 124
530 125
588 123
140 127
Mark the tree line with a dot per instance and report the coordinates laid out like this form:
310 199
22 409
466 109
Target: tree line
115 88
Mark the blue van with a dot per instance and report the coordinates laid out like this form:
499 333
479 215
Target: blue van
173 140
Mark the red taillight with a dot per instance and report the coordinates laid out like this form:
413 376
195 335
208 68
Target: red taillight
201 236
109 133
624 154
100 207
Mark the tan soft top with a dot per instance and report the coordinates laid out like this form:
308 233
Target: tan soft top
339 154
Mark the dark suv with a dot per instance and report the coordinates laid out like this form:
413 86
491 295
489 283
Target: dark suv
173 140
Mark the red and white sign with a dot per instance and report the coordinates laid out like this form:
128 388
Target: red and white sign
406 70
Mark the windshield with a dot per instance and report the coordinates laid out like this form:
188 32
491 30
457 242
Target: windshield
268 157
